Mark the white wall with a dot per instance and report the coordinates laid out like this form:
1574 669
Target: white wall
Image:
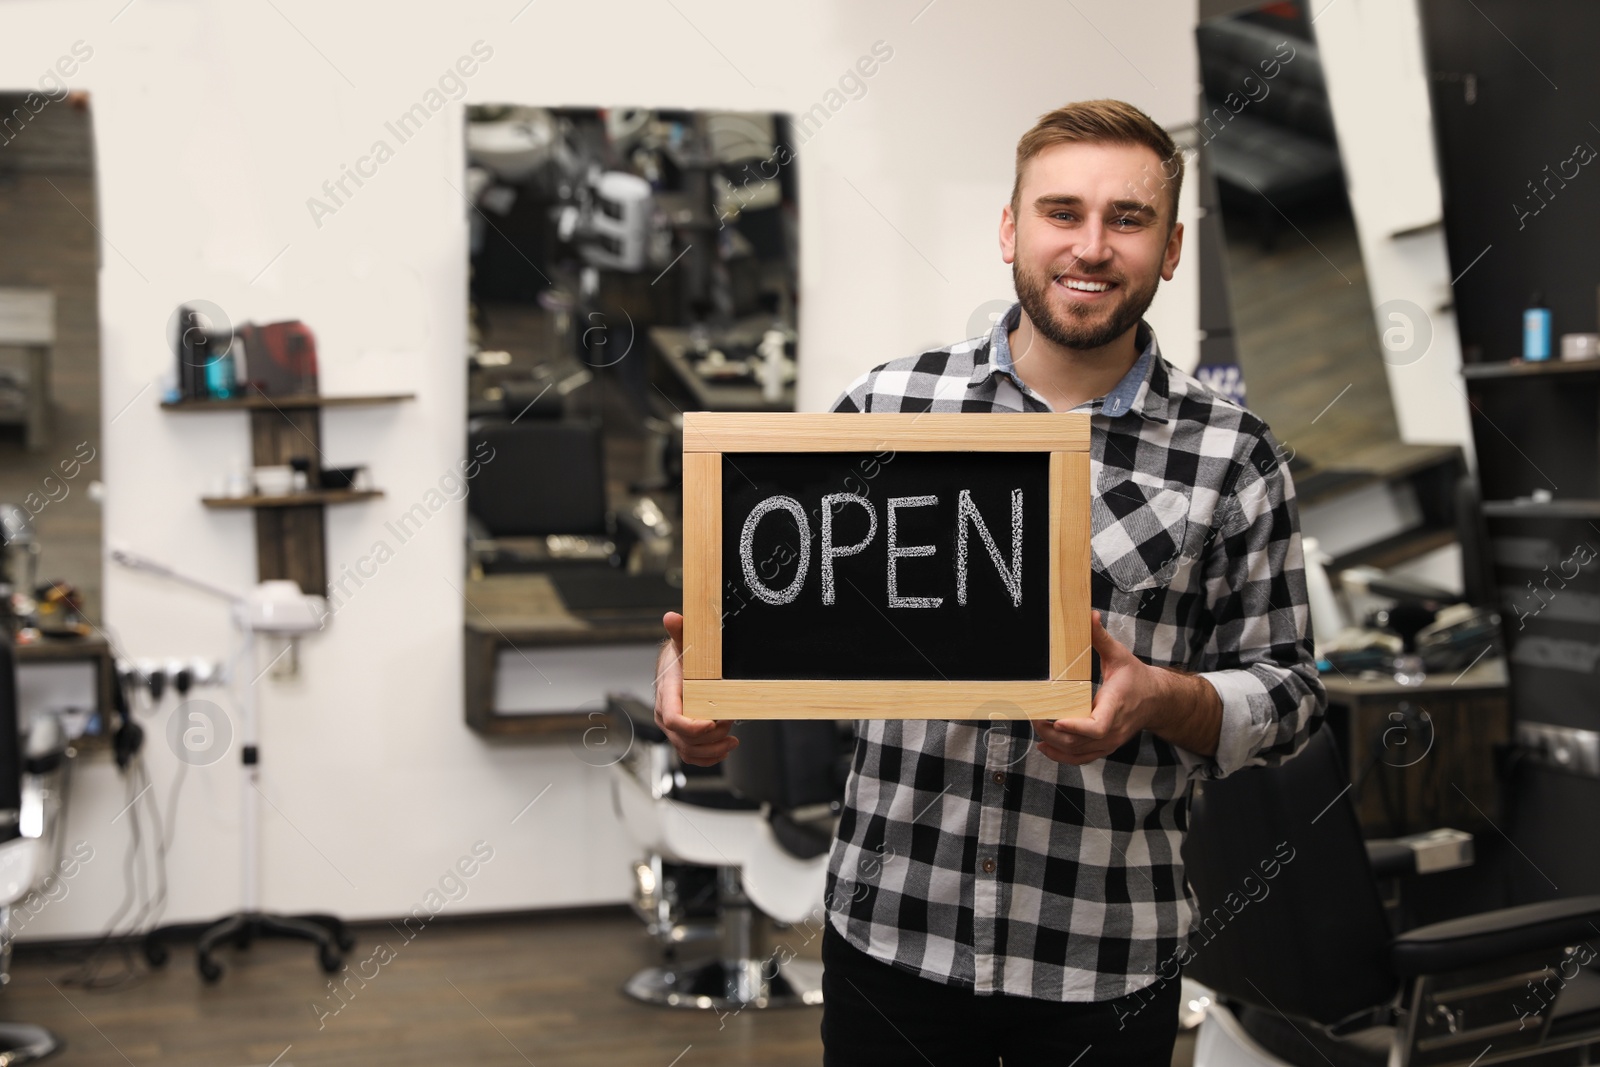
214 122
1378 88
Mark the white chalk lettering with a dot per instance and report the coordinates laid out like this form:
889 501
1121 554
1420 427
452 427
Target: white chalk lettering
747 536
967 512
829 549
896 551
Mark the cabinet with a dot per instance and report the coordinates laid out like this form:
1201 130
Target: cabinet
1537 431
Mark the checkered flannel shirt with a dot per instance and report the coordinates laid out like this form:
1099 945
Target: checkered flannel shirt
964 854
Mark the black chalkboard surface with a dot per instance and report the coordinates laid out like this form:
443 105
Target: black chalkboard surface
836 617
896 565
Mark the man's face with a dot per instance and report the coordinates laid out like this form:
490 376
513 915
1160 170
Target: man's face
1089 241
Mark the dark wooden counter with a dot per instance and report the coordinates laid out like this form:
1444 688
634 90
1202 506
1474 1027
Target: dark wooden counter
93 649
1423 779
526 610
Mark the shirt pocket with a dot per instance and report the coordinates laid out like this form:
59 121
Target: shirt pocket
1139 531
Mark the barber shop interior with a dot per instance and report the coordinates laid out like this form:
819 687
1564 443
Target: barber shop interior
513 520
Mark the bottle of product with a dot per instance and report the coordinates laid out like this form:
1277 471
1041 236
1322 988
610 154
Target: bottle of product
1536 330
192 356
222 373
771 349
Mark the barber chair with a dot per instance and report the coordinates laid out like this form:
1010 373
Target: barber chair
22 857
540 501
759 828
1306 969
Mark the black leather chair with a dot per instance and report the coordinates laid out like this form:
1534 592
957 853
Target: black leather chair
759 826
1294 940
547 476
796 770
539 499
1270 140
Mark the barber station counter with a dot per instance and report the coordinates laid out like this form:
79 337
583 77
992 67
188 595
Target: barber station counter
543 650
74 676
1423 755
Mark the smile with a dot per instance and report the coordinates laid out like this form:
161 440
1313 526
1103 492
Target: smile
1078 285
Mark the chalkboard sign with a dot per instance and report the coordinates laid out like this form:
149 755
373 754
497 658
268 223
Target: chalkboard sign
931 565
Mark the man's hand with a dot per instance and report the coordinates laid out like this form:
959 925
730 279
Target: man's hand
701 742
1181 709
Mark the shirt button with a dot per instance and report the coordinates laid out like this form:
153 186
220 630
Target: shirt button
999 778
988 866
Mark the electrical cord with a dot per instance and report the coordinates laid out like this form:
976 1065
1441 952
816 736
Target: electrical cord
111 961
113 945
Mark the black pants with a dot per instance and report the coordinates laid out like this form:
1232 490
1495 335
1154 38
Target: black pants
876 1014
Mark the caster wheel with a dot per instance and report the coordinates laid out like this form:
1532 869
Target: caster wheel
241 940
155 955
331 961
210 970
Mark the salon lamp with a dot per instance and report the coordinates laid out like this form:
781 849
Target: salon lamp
272 607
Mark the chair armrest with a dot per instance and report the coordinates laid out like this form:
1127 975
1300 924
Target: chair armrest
1391 859
1427 853
641 716
1478 940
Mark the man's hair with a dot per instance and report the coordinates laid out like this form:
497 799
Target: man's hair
1103 122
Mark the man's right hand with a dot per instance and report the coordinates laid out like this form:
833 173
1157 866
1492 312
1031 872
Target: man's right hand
701 742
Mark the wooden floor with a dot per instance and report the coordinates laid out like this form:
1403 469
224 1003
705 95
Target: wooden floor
1307 339
542 990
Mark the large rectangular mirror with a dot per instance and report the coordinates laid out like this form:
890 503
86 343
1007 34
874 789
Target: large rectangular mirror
1285 297
50 529
627 265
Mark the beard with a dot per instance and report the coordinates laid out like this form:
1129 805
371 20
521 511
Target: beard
1079 325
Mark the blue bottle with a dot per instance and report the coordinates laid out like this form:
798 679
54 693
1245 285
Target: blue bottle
1536 330
221 375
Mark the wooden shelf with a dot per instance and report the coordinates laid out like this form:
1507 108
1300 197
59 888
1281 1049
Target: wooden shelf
293 500
291 541
302 402
1393 551
1387 462
1518 368
535 726
1571 508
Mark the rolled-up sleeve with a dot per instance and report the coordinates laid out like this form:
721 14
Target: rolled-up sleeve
1259 654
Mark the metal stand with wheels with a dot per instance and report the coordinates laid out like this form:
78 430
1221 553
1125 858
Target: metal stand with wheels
258 613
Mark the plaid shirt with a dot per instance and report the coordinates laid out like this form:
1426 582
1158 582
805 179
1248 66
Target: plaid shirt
964 854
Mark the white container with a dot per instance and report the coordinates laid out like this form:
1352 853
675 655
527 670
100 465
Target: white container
274 481
1580 346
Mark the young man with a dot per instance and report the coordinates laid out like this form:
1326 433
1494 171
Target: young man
1014 890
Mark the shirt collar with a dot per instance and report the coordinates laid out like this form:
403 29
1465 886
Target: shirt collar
1142 391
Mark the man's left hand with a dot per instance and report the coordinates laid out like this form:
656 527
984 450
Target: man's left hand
1181 709
1130 691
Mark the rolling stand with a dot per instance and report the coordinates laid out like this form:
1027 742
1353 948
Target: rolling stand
265 610
242 929
250 922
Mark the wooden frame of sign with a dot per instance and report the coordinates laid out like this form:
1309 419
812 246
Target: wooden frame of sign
1064 693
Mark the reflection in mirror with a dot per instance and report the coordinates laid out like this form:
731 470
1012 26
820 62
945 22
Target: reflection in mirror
49 373
1284 296
1303 323
627 265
